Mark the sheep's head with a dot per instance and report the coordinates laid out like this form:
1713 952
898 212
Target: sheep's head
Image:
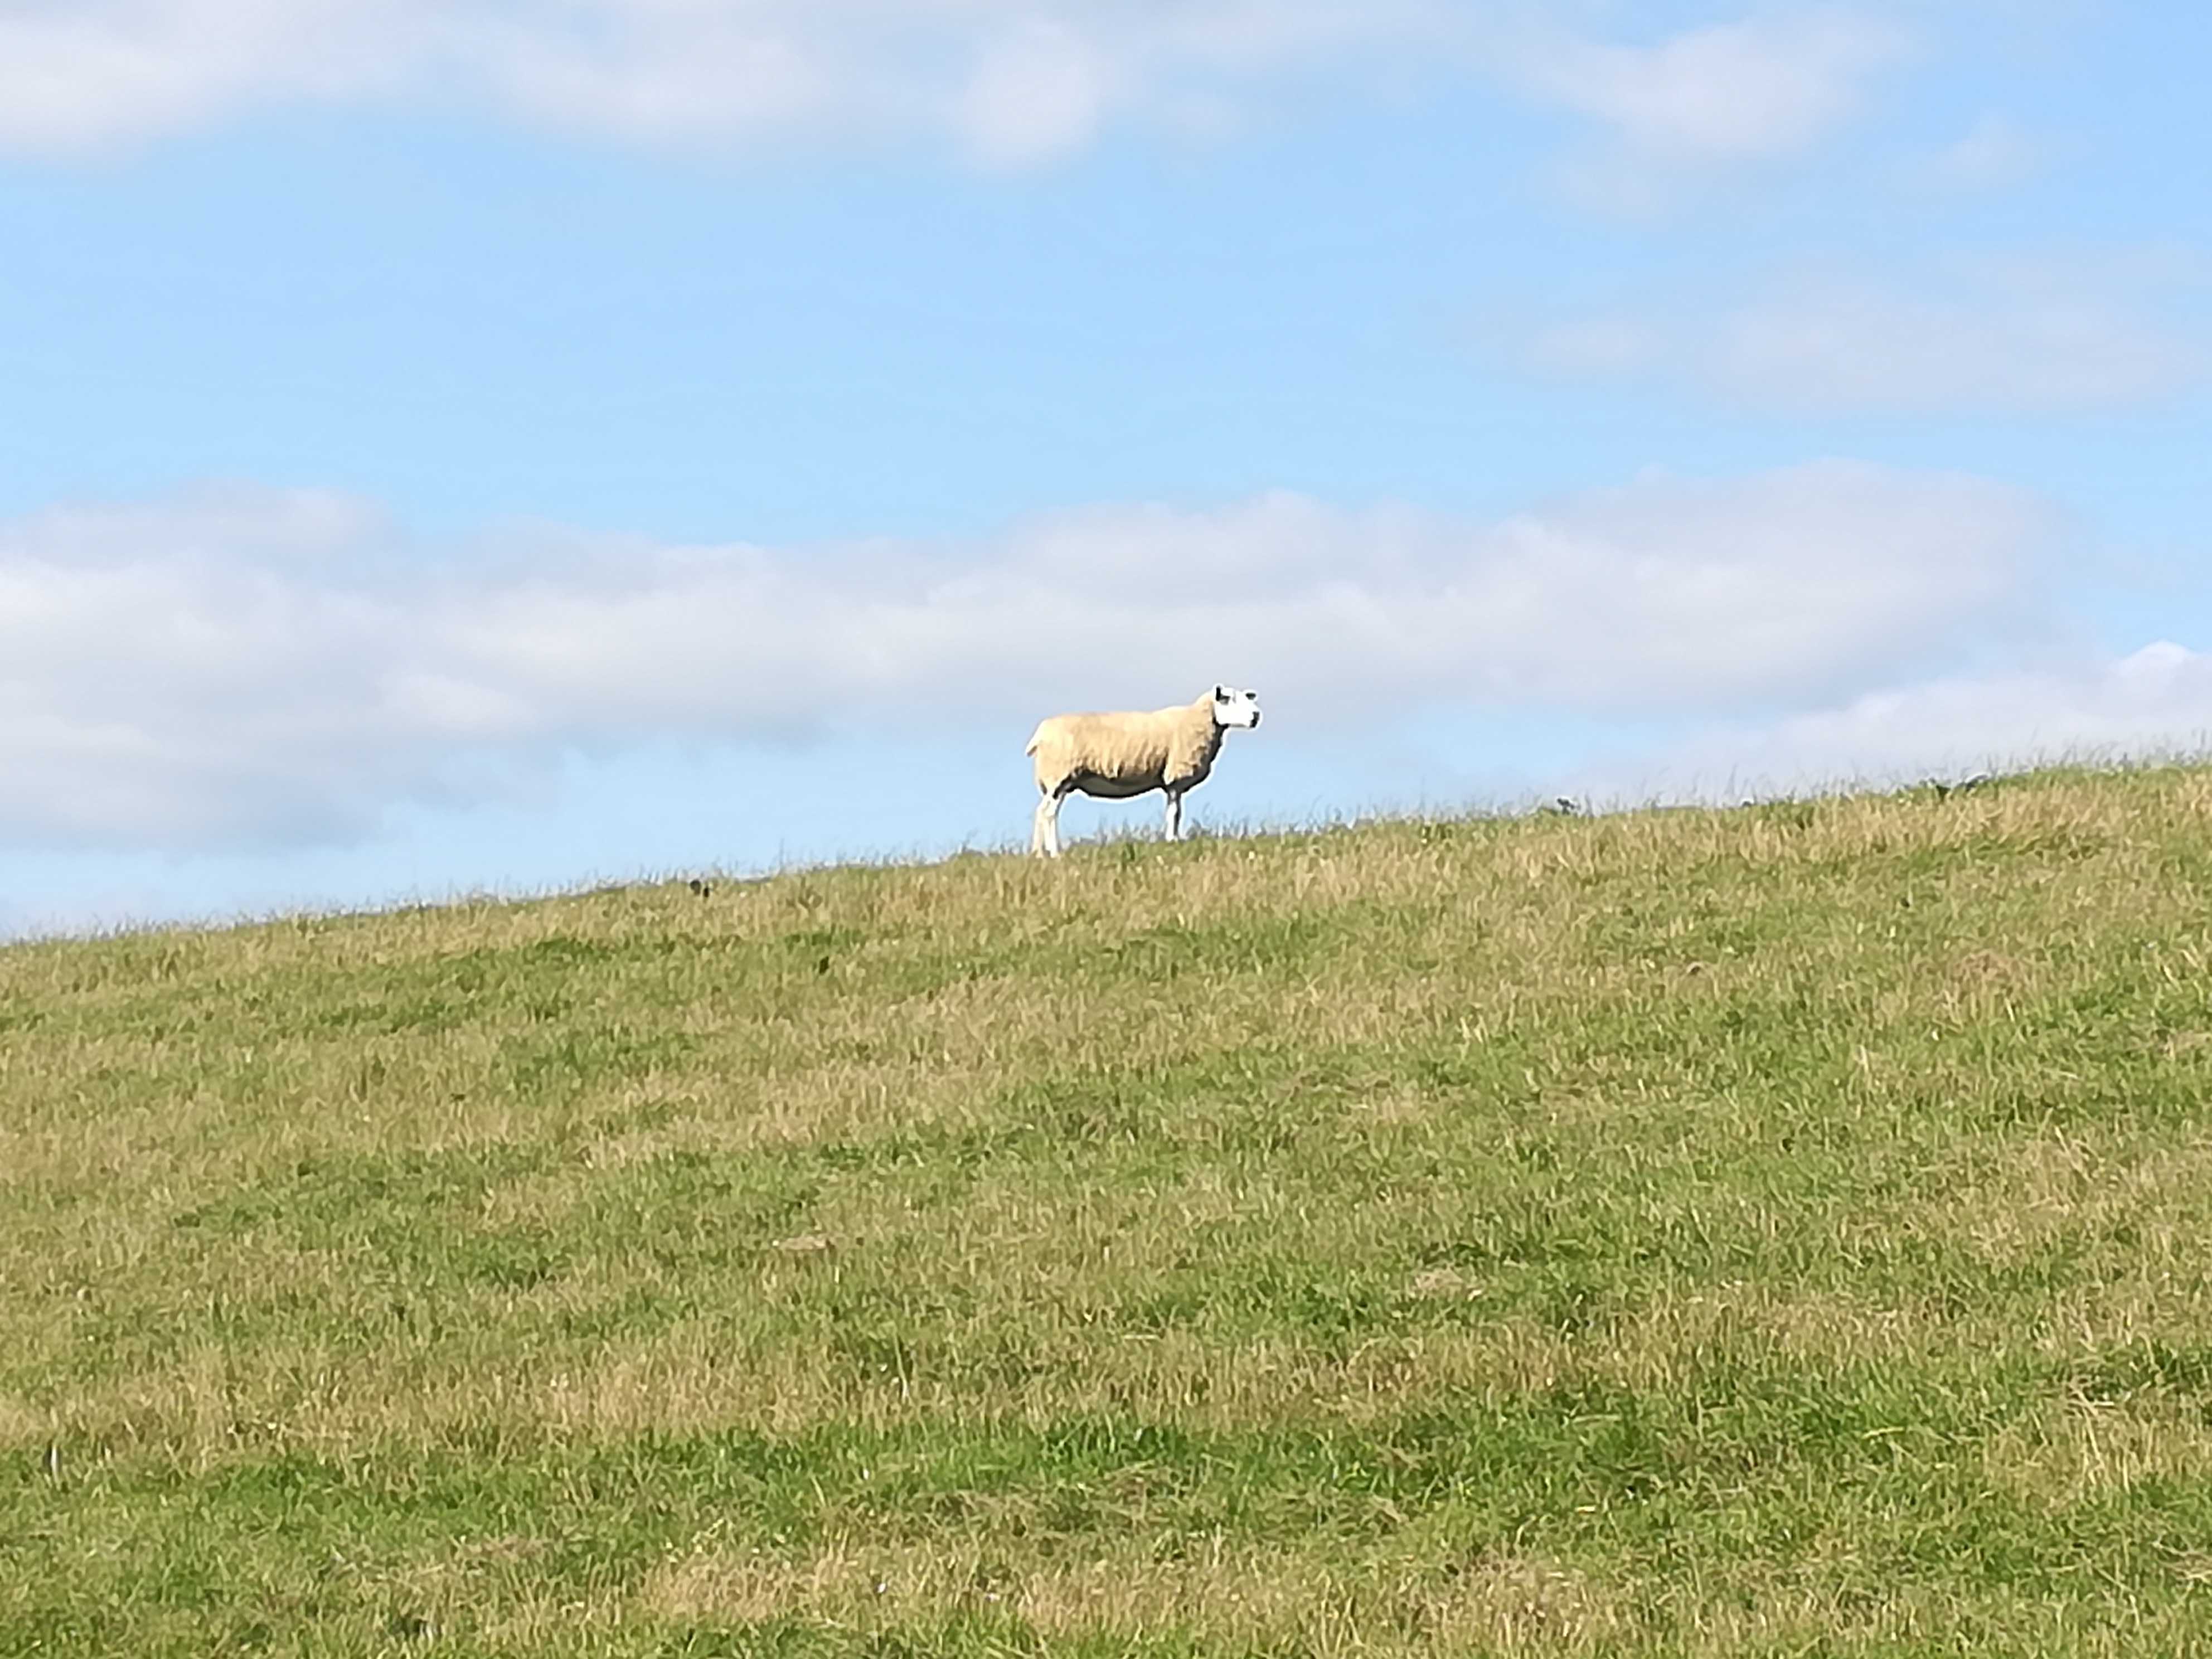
1235 707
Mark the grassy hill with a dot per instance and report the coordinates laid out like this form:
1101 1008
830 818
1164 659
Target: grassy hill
1781 1229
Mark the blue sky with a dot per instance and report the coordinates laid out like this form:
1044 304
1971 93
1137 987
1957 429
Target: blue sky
499 445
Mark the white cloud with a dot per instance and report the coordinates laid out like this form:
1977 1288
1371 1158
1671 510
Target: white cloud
2017 336
76 73
243 666
1009 81
2156 701
1721 96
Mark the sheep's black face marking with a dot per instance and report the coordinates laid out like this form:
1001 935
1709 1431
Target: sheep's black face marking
1234 707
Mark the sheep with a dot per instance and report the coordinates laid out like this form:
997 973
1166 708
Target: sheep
1118 756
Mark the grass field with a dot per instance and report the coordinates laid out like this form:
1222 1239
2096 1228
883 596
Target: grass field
1786 1229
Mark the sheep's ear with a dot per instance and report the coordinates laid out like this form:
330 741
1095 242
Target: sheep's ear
1220 693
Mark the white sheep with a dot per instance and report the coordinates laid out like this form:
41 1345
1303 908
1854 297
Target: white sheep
1118 756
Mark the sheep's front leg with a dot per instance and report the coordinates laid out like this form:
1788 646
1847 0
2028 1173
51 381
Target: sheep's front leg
1044 832
1174 814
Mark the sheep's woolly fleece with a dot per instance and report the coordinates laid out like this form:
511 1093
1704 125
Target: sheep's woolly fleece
1127 754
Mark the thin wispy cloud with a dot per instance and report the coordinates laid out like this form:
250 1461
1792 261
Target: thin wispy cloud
1007 82
244 665
1010 80
1993 153
2022 335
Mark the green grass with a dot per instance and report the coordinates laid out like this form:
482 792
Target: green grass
1778 1231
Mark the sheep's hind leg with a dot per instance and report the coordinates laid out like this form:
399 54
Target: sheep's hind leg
1174 814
